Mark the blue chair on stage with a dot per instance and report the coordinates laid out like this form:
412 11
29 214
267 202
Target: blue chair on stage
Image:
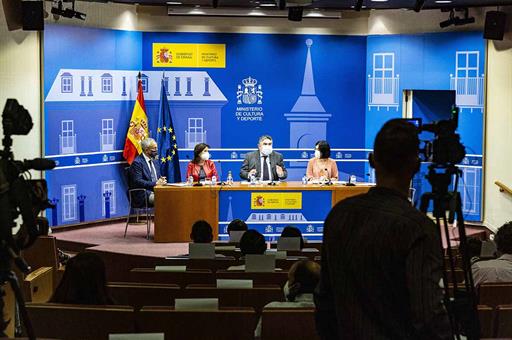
140 209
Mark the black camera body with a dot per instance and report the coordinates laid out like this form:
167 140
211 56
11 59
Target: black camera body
19 195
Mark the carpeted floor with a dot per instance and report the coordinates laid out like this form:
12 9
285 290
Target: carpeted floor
109 238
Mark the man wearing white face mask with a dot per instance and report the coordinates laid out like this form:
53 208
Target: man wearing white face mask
265 164
201 167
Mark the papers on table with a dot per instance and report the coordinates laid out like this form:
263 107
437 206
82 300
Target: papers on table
279 254
232 284
137 336
236 235
174 269
201 251
184 184
288 243
260 263
196 304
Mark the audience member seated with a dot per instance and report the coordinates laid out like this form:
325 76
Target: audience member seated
84 282
252 242
201 232
500 269
237 225
291 231
474 247
303 278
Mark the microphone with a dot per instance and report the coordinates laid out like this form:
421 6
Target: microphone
349 184
40 164
329 182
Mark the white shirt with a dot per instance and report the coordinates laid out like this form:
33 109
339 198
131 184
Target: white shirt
499 270
301 301
268 165
151 165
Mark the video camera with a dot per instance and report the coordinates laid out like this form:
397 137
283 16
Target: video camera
19 195
446 149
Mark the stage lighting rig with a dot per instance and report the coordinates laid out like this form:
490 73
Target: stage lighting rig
455 20
58 10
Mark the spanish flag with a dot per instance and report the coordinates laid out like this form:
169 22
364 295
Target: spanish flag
138 129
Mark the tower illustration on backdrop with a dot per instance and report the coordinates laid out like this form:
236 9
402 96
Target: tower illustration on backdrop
308 118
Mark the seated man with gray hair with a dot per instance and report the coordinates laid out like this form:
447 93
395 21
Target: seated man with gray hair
265 163
144 173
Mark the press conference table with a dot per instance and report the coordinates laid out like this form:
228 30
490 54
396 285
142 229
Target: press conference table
178 207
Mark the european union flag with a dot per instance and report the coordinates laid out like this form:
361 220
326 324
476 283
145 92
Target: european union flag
166 140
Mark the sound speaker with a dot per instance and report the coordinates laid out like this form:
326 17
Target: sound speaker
32 15
495 25
12 11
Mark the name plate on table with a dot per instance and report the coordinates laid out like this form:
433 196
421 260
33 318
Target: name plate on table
288 243
260 263
201 251
233 284
196 304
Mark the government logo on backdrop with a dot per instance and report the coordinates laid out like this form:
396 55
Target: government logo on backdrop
249 98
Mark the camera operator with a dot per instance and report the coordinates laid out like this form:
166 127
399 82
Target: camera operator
381 257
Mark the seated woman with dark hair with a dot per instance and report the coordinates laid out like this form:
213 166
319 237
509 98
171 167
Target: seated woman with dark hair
237 225
291 231
201 167
303 278
201 232
84 282
321 167
251 243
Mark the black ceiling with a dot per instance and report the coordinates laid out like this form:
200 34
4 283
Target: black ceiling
336 4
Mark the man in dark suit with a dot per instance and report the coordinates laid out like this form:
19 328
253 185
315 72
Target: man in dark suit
265 164
144 173
381 258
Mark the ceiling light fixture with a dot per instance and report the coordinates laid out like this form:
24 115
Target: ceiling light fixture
453 20
58 10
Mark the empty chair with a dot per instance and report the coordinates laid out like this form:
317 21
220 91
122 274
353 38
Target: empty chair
486 317
60 321
43 253
149 275
292 324
494 294
137 295
255 297
457 276
38 285
504 321
222 324
276 278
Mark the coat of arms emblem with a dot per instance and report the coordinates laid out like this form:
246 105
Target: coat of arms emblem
251 93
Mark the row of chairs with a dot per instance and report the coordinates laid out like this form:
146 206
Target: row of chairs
150 275
97 322
38 287
495 322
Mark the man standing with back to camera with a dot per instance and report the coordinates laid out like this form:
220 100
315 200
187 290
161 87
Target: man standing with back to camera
381 257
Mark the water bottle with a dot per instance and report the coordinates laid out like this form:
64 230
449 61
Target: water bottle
253 179
304 180
230 178
353 179
214 180
190 180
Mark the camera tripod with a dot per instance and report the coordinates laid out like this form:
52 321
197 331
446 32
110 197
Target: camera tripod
460 302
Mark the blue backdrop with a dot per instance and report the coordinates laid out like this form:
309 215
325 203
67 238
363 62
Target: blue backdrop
339 88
